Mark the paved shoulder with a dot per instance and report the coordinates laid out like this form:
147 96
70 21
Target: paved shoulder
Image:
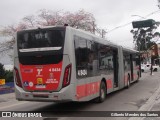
7 97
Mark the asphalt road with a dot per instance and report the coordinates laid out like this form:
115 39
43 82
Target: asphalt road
131 99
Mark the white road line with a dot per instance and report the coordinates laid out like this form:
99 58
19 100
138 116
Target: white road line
12 105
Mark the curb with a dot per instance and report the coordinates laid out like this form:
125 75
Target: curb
148 105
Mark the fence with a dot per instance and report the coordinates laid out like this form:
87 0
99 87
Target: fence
8 88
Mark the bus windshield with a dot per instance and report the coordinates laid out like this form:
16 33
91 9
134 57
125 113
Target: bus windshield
40 40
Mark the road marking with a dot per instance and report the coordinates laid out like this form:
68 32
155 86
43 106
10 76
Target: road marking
13 105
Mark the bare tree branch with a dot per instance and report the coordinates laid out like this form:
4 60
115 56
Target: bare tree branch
80 19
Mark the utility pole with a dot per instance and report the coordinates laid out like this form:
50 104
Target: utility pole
103 33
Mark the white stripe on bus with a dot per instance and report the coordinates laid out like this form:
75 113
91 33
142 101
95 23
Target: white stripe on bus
39 49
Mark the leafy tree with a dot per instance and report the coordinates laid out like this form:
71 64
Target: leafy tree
2 71
6 74
156 37
9 76
142 37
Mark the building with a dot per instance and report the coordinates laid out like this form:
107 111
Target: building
8 67
152 55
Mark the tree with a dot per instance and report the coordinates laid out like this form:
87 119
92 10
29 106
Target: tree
8 76
156 37
2 71
143 35
30 20
80 19
48 18
9 32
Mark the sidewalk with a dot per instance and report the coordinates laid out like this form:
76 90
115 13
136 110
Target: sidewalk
153 103
7 88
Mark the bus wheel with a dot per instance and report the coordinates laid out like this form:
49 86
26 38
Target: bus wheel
103 93
128 82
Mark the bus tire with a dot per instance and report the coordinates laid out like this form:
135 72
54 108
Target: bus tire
128 82
102 92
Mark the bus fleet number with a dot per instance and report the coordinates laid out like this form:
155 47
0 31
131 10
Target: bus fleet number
82 72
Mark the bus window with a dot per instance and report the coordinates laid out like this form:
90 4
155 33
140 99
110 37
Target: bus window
105 59
127 62
46 43
40 39
136 60
92 58
81 56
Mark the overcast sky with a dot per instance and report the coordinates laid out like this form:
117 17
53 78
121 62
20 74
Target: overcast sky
108 13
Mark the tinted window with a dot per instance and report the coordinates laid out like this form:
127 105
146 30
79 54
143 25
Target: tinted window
92 58
81 55
106 59
43 60
127 62
40 38
136 59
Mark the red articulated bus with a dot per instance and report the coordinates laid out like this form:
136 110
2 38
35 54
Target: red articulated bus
66 64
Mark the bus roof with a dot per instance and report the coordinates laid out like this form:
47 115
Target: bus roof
105 41
130 50
100 40
42 27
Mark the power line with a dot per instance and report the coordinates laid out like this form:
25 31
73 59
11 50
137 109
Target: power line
131 22
152 13
119 27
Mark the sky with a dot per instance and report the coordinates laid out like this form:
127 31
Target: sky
109 14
